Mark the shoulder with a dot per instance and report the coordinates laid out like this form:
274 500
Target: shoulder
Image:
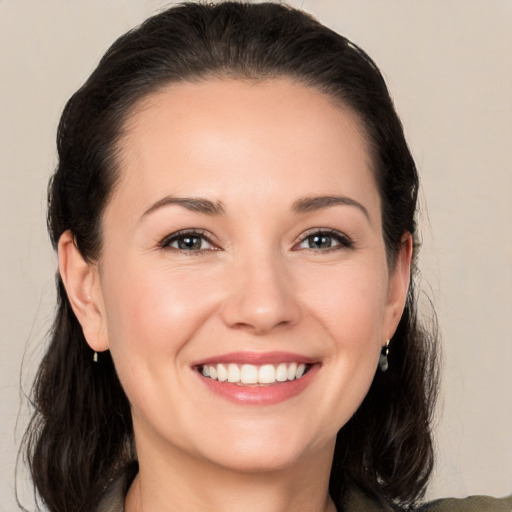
356 501
471 504
113 501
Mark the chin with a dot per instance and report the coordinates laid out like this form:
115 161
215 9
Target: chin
264 449
264 460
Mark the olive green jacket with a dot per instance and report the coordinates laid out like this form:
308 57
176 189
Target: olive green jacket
357 502
113 501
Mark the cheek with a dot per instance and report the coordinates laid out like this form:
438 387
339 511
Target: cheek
352 312
350 302
152 318
152 315
154 304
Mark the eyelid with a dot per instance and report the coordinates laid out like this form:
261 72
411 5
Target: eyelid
200 233
344 241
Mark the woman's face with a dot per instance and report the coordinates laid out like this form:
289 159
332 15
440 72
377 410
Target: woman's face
244 242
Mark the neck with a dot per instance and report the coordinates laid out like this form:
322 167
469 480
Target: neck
171 480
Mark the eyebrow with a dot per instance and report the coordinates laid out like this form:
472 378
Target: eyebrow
311 204
194 204
207 207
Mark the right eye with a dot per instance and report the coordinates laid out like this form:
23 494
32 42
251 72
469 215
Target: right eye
188 241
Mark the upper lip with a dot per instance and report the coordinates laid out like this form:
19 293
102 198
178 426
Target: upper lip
256 358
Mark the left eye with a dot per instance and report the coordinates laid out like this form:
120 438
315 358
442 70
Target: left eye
191 242
324 240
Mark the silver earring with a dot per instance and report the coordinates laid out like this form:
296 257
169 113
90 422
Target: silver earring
95 357
383 359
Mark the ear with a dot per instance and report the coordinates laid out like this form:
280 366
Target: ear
82 283
399 279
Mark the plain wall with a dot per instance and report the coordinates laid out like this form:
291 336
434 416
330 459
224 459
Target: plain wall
447 63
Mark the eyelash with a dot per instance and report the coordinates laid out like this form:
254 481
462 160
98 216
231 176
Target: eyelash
190 233
343 241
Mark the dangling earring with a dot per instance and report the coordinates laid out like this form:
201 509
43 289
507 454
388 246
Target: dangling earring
95 357
383 359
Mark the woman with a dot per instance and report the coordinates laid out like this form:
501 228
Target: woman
234 213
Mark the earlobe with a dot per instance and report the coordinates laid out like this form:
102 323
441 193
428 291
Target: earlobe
83 289
399 285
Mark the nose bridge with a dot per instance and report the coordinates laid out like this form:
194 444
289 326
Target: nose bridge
261 295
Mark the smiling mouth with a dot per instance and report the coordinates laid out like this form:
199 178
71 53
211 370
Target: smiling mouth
254 375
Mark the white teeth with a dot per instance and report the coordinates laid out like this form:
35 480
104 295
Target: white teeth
248 374
222 373
282 373
292 369
233 373
267 374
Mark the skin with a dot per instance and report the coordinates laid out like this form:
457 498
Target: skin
257 285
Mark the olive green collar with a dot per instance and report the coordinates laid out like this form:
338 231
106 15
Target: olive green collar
355 501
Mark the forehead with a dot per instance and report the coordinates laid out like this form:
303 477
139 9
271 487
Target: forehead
220 137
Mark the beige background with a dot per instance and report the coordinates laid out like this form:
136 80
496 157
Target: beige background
448 66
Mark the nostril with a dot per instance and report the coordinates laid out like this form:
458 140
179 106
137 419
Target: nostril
244 315
261 327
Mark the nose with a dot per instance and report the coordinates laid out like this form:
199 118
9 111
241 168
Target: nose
261 296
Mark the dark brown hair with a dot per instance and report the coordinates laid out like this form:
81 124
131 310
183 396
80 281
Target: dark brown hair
81 436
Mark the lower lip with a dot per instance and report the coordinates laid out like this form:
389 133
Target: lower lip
263 394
